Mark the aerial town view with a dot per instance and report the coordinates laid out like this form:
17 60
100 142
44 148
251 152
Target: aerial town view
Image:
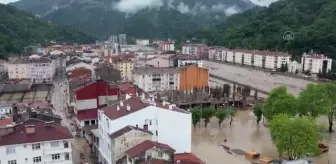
167 82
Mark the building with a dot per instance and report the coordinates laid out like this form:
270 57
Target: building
143 42
122 39
6 109
167 46
125 64
38 69
316 63
195 49
158 61
107 73
192 77
294 67
187 158
156 79
80 65
149 115
36 142
90 97
182 60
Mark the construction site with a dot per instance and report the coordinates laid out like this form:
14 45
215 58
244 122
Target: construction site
37 92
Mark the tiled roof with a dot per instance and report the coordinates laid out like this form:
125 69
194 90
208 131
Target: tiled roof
6 121
187 158
42 133
88 114
126 129
157 161
137 150
135 105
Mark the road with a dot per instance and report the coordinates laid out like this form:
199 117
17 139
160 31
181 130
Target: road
256 78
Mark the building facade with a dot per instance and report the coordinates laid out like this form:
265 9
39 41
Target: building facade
183 60
316 63
193 77
167 46
195 49
156 79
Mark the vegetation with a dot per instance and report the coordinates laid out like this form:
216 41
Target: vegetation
258 112
231 112
294 137
312 23
207 113
19 29
196 116
221 115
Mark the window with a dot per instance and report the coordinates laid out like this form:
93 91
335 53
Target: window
36 146
37 159
12 162
160 154
54 144
67 156
10 150
66 144
55 156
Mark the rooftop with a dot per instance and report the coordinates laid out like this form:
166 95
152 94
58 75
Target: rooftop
26 60
41 132
187 158
184 57
127 129
137 150
155 70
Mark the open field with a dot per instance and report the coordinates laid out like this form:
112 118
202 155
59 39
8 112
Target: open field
256 78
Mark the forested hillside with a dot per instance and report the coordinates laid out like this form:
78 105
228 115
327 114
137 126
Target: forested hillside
19 29
313 23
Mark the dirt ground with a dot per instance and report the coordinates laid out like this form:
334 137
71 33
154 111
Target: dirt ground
244 135
80 146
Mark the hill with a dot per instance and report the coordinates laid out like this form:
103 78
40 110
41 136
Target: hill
19 29
145 18
312 22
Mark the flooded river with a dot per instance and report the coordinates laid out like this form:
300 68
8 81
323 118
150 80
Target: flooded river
208 143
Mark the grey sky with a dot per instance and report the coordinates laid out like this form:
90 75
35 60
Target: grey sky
7 1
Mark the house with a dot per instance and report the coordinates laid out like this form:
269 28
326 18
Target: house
316 63
149 115
36 141
150 151
187 158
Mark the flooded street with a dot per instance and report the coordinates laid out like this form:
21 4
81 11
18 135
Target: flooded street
244 135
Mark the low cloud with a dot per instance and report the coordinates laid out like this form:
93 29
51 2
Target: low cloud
133 6
263 2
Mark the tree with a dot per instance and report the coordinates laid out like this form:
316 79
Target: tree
279 102
294 137
314 101
221 115
196 116
330 90
231 112
258 111
206 114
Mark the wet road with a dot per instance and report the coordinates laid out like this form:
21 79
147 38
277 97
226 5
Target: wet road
244 135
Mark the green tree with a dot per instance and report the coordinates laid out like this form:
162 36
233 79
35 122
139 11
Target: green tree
196 116
294 137
231 112
313 101
278 102
331 93
258 111
207 113
221 115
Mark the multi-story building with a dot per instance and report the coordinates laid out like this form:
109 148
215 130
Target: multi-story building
143 42
36 68
156 79
149 115
167 46
35 142
195 49
294 67
125 64
122 39
182 60
6 109
315 63
192 77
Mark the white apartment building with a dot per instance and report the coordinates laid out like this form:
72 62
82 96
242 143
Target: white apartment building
316 63
294 67
36 68
154 117
6 109
142 42
167 46
35 142
182 60
156 79
190 49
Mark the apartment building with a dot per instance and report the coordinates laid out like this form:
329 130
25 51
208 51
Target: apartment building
262 59
195 49
316 63
156 79
167 46
125 64
142 42
182 60
35 142
36 68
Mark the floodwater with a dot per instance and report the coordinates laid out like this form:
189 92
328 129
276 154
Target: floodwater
247 136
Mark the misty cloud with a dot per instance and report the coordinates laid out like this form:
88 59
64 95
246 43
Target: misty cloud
263 2
133 6
182 8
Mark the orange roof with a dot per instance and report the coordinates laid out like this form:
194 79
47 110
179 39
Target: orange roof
6 121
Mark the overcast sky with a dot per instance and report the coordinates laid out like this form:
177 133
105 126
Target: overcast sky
7 1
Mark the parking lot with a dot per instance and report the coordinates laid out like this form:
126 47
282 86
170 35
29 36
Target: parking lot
256 78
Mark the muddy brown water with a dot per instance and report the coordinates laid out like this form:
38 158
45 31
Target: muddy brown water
245 135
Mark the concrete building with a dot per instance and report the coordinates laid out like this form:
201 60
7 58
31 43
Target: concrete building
80 65
122 39
157 61
154 117
143 42
156 79
36 142
195 49
192 77
316 63
36 68
294 67
182 60
125 64
167 46
6 109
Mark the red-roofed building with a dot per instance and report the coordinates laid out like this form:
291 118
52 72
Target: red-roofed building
148 151
187 158
36 141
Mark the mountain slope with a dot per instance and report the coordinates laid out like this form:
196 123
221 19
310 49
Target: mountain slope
312 22
18 29
145 18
